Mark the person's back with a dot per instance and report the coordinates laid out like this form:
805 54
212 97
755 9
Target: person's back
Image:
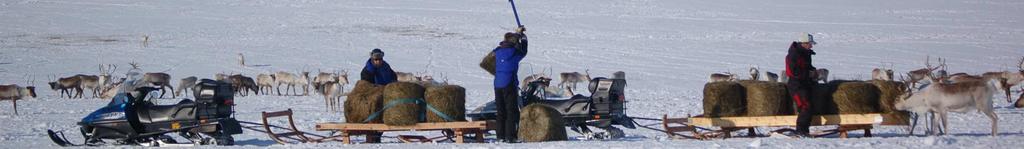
507 56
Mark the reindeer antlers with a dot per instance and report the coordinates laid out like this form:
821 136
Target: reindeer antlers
1020 65
135 65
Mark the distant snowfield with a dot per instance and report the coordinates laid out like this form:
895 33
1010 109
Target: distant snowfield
667 48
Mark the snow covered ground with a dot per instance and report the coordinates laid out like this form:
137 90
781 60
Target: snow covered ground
666 47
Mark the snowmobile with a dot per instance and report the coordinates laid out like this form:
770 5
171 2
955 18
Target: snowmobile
603 109
132 118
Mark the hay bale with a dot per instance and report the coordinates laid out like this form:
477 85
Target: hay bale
767 98
362 101
488 63
889 93
449 100
402 114
539 122
821 100
855 97
902 117
724 99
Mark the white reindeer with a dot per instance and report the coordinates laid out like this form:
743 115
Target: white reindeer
573 78
265 83
754 73
105 75
292 81
186 84
721 77
531 78
960 97
90 82
161 80
321 79
918 75
881 74
407 77
332 95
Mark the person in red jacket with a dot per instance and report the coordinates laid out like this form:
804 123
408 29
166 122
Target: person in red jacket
801 83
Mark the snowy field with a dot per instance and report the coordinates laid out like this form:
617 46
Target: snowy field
666 47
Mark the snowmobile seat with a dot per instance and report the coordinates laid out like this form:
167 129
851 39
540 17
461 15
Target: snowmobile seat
575 105
163 113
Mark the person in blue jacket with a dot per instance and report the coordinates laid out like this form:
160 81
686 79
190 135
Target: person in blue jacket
507 56
377 71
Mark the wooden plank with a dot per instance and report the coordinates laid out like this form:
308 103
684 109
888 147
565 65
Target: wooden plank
417 126
787 120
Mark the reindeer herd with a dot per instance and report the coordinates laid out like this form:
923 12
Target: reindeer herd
932 90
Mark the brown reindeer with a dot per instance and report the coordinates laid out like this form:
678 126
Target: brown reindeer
920 74
186 84
243 84
1020 99
14 93
68 85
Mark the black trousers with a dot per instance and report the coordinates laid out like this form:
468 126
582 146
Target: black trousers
508 112
803 92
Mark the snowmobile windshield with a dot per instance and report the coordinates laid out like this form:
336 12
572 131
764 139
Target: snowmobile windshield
119 99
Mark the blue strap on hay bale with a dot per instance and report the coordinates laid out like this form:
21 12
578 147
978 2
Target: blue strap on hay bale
418 101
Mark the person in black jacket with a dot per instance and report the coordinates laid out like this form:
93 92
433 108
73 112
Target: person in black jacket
801 83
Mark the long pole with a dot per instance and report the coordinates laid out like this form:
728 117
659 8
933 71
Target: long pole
514 11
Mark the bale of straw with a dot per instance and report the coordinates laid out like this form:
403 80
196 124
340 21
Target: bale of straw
402 114
540 122
365 99
889 93
488 63
722 99
447 99
855 97
767 98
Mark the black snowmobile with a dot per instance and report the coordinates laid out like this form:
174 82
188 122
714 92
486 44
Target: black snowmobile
133 119
603 109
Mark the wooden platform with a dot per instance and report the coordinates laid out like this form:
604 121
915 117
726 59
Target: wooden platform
726 125
790 120
459 128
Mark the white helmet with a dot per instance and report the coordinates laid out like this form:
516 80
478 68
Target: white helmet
806 38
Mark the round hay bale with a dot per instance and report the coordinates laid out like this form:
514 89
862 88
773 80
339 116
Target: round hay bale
402 114
447 99
362 101
539 123
767 98
855 97
724 99
488 63
889 93
902 117
821 99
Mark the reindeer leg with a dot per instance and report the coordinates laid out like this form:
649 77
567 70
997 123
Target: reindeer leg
992 115
15 101
172 88
945 122
279 89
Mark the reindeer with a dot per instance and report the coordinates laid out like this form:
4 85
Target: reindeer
573 78
531 78
159 79
822 75
321 79
111 90
65 85
1020 99
881 74
104 77
186 84
407 77
960 97
1011 78
243 84
783 78
14 93
265 83
754 73
772 77
292 81
332 92
722 77
343 79
90 82
919 74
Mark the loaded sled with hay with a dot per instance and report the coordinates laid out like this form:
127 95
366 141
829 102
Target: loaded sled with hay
401 106
603 109
746 105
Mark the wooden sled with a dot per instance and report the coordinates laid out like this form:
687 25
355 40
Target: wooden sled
699 127
293 132
458 129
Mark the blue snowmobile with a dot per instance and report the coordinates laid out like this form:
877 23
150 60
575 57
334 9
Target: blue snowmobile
132 118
